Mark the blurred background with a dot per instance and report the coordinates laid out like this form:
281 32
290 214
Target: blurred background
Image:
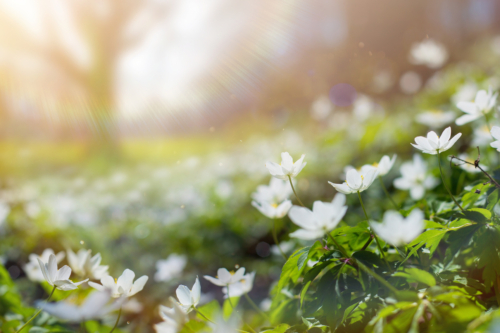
140 128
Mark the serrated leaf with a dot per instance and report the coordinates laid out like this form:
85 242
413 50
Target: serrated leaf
417 275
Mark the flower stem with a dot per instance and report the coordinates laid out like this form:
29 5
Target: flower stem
256 308
362 205
234 310
341 248
293 188
117 320
38 312
203 316
387 193
374 236
276 241
444 183
377 277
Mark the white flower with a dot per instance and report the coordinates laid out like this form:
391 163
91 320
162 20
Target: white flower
174 318
322 219
170 268
385 165
287 168
83 264
357 181
429 53
465 92
123 286
94 307
483 104
481 136
468 167
272 200
58 278
435 118
241 287
434 144
415 178
189 299
397 230
225 278
495 133
33 269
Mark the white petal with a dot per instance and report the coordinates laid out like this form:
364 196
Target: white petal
445 137
307 234
468 107
196 292
64 273
466 119
342 188
495 132
353 179
125 280
138 285
183 295
302 217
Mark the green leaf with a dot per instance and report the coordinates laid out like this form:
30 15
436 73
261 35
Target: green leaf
492 200
433 225
368 258
210 310
228 307
479 215
417 275
281 328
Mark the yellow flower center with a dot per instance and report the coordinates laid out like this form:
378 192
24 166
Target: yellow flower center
274 205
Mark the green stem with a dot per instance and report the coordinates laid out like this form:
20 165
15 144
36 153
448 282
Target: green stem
293 188
256 308
82 327
363 206
374 236
234 310
203 316
387 193
341 248
276 241
444 183
488 124
117 320
377 277
38 312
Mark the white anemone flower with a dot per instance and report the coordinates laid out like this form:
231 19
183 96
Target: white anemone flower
170 268
123 286
58 278
324 217
483 103
414 178
397 230
435 118
225 278
434 144
495 133
385 165
33 269
272 200
481 136
429 53
468 167
83 264
174 318
286 168
189 299
95 306
241 287
357 181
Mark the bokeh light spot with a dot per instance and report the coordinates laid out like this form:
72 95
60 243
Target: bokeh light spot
263 249
342 94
